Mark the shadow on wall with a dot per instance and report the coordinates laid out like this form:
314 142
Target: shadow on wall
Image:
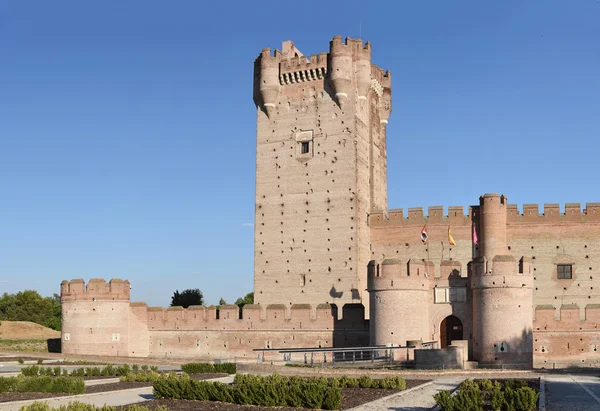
54 345
513 353
352 330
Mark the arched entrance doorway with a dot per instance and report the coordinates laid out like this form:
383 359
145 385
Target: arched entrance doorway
451 329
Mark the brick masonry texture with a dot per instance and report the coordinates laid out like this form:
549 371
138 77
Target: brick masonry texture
334 267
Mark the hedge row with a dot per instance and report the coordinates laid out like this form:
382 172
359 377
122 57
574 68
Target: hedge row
392 383
142 376
512 395
108 371
206 368
268 392
42 384
79 406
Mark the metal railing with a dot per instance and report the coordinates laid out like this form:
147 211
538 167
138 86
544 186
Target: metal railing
373 354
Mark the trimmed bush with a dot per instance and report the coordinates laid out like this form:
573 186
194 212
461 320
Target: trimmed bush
445 400
206 368
42 384
527 399
270 391
149 376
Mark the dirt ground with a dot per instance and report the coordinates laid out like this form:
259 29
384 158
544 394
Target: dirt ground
25 330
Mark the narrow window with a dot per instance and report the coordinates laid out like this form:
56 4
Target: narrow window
305 147
564 271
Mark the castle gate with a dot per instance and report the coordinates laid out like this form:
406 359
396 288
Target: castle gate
451 329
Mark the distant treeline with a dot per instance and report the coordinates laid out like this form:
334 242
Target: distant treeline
29 305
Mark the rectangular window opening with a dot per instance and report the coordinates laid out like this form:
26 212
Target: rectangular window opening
564 271
305 147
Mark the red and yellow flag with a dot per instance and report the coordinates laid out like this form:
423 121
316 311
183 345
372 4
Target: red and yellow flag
450 239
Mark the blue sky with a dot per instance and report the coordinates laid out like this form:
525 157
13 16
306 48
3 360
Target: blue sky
127 128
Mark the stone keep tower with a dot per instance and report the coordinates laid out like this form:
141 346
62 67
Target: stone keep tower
320 171
502 294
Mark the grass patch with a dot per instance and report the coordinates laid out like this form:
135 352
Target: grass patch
24 345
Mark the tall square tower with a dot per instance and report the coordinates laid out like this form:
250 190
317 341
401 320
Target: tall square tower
320 172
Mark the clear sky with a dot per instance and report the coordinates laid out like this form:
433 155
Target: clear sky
127 128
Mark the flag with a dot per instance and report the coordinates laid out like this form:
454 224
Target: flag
424 234
475 241
450 239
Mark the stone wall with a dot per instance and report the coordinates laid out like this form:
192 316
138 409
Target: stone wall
94 323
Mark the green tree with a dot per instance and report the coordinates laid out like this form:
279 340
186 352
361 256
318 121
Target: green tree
248 299
187 297
29 305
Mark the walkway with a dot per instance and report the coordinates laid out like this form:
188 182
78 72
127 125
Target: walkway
572 392
417 399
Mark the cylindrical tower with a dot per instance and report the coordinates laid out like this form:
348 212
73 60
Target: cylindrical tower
363 67
266 78
492 218
385 101
340 73
399 301
502 295
95 318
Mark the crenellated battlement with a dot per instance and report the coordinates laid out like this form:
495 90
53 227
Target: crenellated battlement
415 216
393 274
251 316
552 214
97 289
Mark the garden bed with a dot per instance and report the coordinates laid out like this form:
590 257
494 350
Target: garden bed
486 395
351 397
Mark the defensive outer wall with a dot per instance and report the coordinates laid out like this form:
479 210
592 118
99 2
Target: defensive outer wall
324 239
98 318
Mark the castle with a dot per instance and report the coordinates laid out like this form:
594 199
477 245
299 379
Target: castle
334 267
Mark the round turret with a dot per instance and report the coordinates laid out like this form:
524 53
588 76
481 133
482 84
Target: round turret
268 79
399 300
385 101
363 68
502 294
492 219
341 69
95 318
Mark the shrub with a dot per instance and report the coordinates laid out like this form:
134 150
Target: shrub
526 399
486 385
510 398
40 361
273 390
21 360
135 368
31 371
365 381
144 367
206 368
154 368
228 367
349 382
150 376
497 399
445 400
470 399
42 384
